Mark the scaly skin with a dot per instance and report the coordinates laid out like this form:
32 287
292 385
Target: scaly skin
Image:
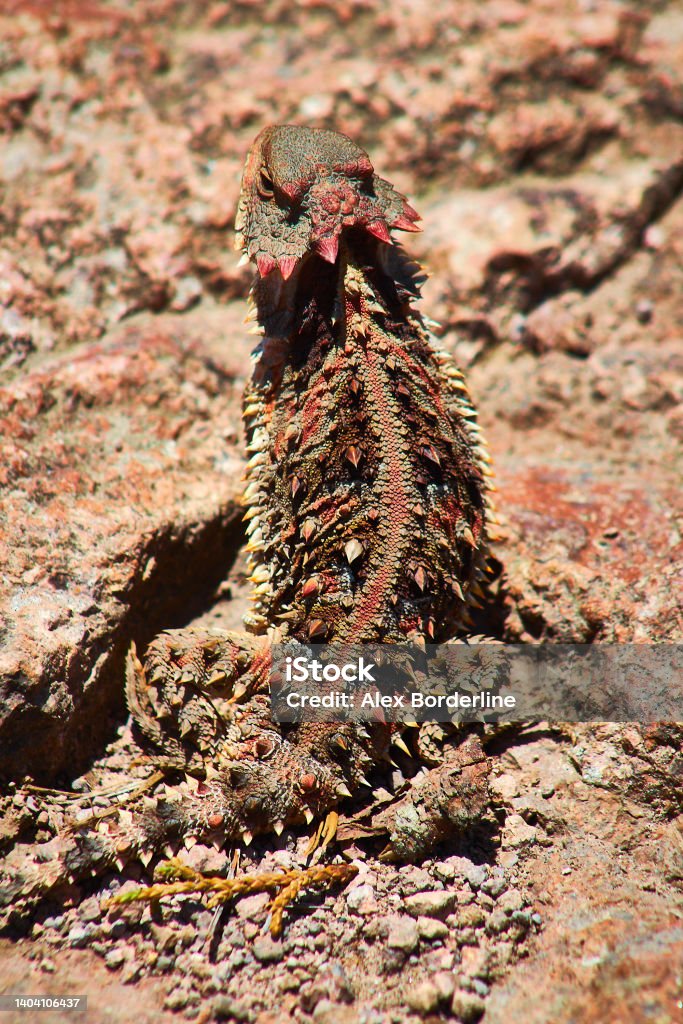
367 505
367 482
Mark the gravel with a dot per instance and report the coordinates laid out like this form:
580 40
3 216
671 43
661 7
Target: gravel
403 935
267 950
430 904
431 930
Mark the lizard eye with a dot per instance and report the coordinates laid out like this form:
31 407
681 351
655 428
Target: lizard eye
266 189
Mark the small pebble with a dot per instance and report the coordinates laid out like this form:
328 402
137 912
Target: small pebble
327 1012
415 879
423 998
252 906
130 972
89 910
115 958
117 929
444 982
474 873
468 1007
517 833
267 950
644 311
471 917
361 900
498 922
177 999
496 884
165 938
431 930
54 922
430 904
78 937
511 901
445 871
654 237
403 935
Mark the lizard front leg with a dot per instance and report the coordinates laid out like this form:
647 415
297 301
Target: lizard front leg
223 771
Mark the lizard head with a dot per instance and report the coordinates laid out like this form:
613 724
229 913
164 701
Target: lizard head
301 188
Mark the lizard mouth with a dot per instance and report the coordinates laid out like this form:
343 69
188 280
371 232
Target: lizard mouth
332 208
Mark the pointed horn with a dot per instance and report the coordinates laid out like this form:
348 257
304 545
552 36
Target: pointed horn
328 248
404 224
379 229
287 265
265 264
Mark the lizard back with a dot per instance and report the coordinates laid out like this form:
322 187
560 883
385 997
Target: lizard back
367 482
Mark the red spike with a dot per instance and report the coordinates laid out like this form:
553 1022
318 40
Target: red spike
404 224
379 229
292 189
430 453
410 213
287 265
310 587
354 455
308 529
265 264
328 248
421 578
317 629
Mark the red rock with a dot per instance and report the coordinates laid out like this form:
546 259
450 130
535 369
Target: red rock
121 471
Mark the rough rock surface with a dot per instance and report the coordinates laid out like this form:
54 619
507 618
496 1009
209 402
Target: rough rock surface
120 511
543 143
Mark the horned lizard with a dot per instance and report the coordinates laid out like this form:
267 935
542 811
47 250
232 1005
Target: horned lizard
367 502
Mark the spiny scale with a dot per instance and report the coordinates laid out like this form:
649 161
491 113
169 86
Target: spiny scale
382 422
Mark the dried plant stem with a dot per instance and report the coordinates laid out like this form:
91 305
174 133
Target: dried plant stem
285 884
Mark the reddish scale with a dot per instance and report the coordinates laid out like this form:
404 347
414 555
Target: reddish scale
421 379
313 411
